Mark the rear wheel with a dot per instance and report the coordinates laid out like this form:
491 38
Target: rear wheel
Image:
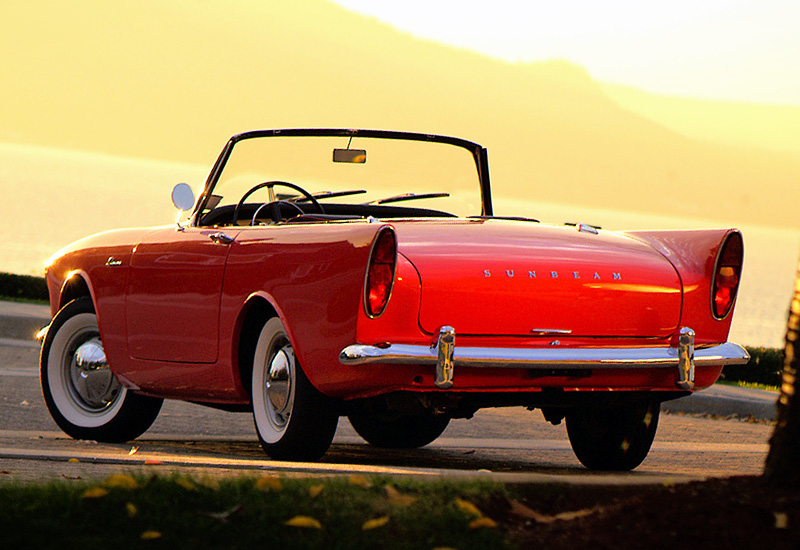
400 432
294 421
614 438
82 394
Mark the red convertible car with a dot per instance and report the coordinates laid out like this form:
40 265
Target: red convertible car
361 273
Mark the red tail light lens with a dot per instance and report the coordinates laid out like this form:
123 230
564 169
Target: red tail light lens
380 273
727 273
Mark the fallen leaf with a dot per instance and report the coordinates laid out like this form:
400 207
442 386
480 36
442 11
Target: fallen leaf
73 460
131 509
467 507
133 451
375 523
781 520
121 481
567 516
224 515
150 535
153 462
398 499
360 481
186 484
209 483
269 483
304 522
482 523
520 510
315 490
95 492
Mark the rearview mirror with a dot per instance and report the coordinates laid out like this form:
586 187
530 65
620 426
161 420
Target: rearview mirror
350 156
183 197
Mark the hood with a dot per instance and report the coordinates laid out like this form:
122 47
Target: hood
506 278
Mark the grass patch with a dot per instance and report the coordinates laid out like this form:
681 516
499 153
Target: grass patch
765 368
751 385
272 512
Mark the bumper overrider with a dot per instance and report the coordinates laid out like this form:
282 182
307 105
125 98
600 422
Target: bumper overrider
444 355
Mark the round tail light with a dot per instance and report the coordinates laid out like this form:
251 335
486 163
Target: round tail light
380 272
727 272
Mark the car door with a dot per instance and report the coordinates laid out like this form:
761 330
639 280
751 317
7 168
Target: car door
173 294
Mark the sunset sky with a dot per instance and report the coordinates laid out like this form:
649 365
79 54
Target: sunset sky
741 50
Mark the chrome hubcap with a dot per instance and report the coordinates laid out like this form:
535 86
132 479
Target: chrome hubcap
279 384
93 384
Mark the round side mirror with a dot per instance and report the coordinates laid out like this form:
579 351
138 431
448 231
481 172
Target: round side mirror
183 197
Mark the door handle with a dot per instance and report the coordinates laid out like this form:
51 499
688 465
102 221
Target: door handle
220 238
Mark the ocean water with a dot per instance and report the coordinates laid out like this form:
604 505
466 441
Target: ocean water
51 198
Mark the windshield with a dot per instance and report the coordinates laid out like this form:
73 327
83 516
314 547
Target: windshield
349 176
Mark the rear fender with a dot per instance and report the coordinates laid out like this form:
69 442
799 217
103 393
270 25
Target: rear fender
693 253
316 289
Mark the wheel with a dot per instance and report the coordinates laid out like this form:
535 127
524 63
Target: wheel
82 394
294 421
400 432
615 438
275 211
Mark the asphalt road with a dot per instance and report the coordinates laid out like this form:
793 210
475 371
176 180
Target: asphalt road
510 444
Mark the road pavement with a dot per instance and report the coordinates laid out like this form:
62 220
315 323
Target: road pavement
508 445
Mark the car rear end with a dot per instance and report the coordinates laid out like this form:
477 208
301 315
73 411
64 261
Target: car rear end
511 308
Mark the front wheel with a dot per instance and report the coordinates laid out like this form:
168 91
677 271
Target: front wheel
613 438
82 394
293 419
400 432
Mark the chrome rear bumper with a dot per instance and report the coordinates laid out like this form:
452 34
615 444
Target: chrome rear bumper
445 356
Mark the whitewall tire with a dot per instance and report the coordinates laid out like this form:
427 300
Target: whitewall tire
82 394
293 420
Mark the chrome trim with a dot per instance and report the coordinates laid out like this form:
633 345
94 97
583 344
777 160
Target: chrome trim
89 377
113 262
445 346
685 379
221 238
586 228
550 331
42 334
551 357
279 380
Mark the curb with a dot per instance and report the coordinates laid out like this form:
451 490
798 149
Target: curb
728 401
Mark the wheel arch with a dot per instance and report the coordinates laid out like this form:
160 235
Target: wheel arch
75 286
257 309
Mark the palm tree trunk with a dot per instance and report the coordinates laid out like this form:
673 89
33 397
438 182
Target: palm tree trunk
783 462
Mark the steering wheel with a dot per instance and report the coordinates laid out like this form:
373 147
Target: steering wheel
276 210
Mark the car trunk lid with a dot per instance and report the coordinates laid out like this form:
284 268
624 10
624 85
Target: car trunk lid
491 277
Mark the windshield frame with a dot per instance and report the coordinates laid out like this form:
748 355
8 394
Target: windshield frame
478 152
